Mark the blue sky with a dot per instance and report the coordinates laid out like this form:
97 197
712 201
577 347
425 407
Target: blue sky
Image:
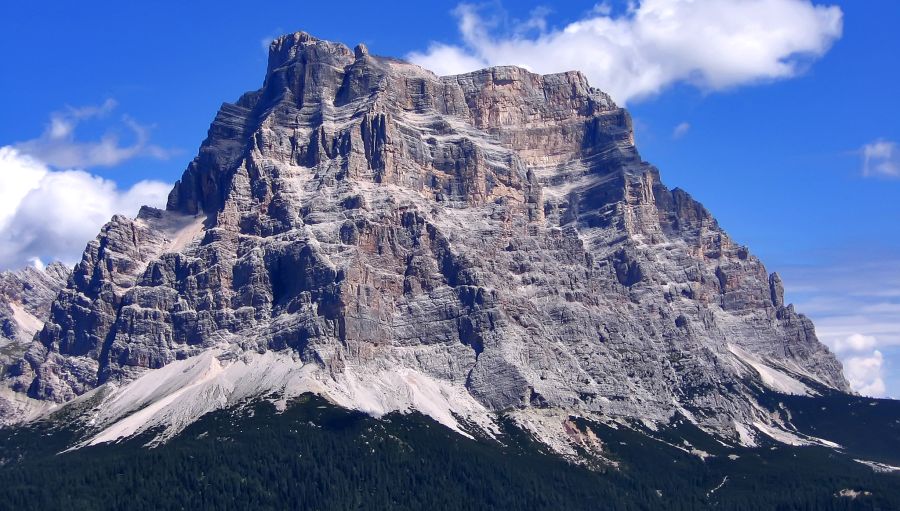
125 91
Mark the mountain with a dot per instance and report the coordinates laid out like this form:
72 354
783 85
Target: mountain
25 299
487 250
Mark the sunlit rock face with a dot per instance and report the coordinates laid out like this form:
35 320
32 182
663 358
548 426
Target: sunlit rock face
25 299
495 232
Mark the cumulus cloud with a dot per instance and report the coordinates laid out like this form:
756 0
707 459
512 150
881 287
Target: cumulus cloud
864 372
50 215
855 342
881 158
863 364
713 45
860 296
58 147
855 305
681 130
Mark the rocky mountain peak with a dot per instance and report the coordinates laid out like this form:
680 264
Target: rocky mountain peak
463 245
310 81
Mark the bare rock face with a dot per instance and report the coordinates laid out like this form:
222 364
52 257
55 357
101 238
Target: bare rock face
25 299
495 230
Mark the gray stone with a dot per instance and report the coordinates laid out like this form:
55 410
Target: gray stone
25 299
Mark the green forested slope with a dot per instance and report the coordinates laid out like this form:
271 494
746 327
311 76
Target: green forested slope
316 456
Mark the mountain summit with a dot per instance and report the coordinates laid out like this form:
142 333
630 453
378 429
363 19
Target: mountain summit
470 247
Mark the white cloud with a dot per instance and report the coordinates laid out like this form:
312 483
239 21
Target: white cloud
847 297
863 364
58 147
50 215
855 342
681 130
856 309
881 158
865 374
713 45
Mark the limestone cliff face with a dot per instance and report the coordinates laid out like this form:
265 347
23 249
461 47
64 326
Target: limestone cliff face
497 230
25 299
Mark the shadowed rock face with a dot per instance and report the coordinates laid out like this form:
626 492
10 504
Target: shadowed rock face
496 229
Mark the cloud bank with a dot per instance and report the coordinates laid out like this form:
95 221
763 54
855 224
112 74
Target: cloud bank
50 215
713 45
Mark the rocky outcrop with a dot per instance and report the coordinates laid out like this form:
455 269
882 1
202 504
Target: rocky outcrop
25 299
495 230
